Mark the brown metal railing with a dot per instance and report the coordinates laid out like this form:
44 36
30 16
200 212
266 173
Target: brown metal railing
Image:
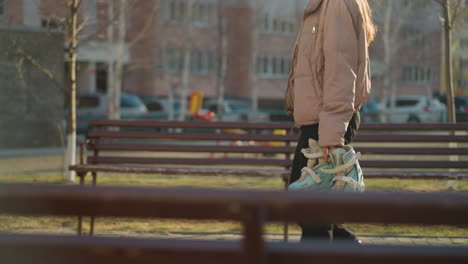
251 208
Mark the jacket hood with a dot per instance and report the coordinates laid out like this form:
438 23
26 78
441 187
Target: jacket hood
313 5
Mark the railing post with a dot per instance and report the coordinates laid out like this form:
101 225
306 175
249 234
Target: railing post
82 176
452 184
286 185
253 218
94 174
91 225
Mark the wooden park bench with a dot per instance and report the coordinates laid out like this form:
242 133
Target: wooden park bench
251 208
389 150
198 148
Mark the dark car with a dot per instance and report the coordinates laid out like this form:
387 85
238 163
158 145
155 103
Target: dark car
370 112
461 107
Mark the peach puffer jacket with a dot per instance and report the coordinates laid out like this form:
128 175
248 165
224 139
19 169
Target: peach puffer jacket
330 76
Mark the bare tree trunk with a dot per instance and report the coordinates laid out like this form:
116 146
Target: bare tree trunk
117 88
222 59
187 59
166 81
111 58
253 74
170 101
70 159
386 36
448 60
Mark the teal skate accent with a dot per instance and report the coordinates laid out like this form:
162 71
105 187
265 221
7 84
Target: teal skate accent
312 177
348 173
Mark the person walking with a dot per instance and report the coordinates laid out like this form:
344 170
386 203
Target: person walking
328 84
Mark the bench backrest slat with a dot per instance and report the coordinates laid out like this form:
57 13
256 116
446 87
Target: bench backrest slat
413 164
275 125
189 148
189 136
188 161
257 137
267 149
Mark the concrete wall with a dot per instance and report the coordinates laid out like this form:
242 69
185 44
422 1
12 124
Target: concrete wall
31 103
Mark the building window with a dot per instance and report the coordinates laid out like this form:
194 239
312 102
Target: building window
416 38
2 7
200 14
170 60
463 64
277 25
273 66
178 13
464 43
266 23
52 24
201 62
175 60
463 84
416 74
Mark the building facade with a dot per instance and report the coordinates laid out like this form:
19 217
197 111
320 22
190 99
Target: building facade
460 54
253 37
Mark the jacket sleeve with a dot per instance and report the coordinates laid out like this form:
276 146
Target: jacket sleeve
340 48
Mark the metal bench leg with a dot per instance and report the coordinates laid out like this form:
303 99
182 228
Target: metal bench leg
82 176
91 224
286 224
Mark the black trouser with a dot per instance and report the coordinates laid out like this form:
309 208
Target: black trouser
300 161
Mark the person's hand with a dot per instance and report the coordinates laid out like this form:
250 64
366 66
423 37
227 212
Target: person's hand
326 151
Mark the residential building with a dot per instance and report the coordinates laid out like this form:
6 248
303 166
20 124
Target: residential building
460 54
260 35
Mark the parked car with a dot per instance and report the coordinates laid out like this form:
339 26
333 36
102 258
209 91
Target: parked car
461 107
159 109
370 112
94 106
278 115
235 110
416 109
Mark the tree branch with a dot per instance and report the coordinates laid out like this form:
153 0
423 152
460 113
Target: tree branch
455 12
148 24
24 55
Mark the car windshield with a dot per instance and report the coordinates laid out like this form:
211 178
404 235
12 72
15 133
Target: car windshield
404 102
460 102
239 105
371 107
87 101
130 101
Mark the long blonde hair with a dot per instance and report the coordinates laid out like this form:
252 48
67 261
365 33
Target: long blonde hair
366 13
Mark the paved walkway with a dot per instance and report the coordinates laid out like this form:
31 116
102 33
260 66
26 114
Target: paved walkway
378 239
367 239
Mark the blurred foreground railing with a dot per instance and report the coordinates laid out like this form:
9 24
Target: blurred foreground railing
252 208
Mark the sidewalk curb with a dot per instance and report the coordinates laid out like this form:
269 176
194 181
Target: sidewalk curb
26 152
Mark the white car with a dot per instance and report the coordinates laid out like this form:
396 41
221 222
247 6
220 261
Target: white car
416 109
